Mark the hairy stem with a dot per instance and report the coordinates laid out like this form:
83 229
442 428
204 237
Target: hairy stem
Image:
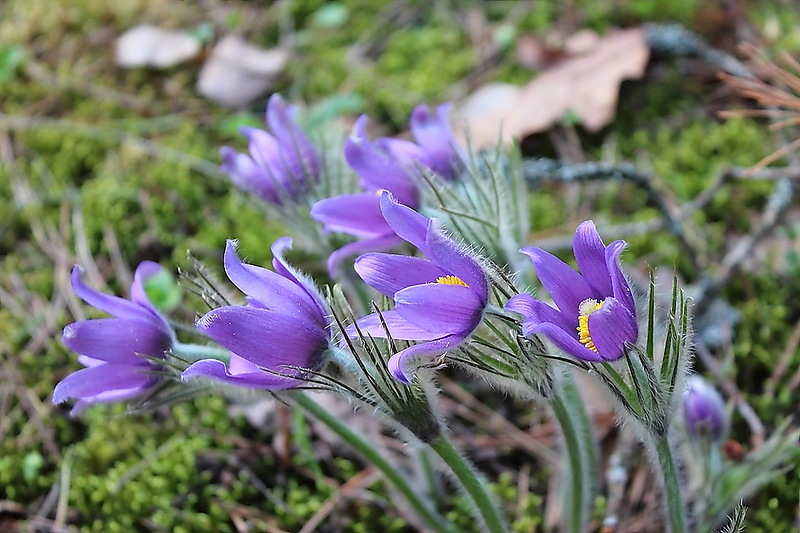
673 497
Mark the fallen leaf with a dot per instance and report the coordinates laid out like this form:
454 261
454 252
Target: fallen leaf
237 73
151 46
585 86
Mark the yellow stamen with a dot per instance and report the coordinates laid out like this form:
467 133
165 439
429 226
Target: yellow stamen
586 308
451 280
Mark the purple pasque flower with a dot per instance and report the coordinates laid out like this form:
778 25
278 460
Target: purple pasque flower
596 313
434 135
384 165
115 350
283 328
439 300
704 409
278 167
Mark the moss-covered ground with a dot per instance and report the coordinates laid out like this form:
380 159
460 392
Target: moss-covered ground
117 166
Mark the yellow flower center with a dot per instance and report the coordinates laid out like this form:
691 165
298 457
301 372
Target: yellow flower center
586 308
451 280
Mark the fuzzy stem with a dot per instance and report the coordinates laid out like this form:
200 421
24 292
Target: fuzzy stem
369 451
672 487
471 482
196 352
568 409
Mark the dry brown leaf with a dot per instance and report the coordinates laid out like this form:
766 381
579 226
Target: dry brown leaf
237 73
150 46
587 85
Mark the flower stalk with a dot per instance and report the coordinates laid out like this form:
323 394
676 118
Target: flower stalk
673 497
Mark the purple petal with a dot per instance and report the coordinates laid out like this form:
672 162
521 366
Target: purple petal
399 328
406 223
298 151
256 379
611 327
93 381
144 271
264 337
401 362
565 341
305 283
358 247
389 273
113 305
537 312
446 309
621 289
355 214
566 286
246 175
436 138
116 340
272 290
454 259
590 254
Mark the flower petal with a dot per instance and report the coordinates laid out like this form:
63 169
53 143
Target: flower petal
355 214
454 259
400 364
272 290
116 340
93 381
300 155
389 273
113 305
406 223
567 288
264 337
304 282
381 242
535 312
620 287
446 309
611 327
436 138
216 370
590 254
246 175
399 328
565 341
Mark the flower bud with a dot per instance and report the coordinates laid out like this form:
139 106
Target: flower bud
704 410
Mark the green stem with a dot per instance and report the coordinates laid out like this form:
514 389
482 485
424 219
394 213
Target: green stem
672 487
196 352
568 409
471 482
370 452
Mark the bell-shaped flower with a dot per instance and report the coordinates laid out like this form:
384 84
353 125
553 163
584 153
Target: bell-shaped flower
704 410
439 300
384 165
117 352
596 313
434 135
279 167
283 329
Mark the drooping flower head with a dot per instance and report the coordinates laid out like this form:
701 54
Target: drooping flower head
384 165
115 350
704 410
278 167
282 329
438 300
596 313
434 135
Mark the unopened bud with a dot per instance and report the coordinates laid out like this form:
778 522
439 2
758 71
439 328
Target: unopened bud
704 410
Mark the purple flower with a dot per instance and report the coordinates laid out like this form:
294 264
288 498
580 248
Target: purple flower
439 300
113 349
435 136
596 312
282 329
704 409
386 164
280 166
